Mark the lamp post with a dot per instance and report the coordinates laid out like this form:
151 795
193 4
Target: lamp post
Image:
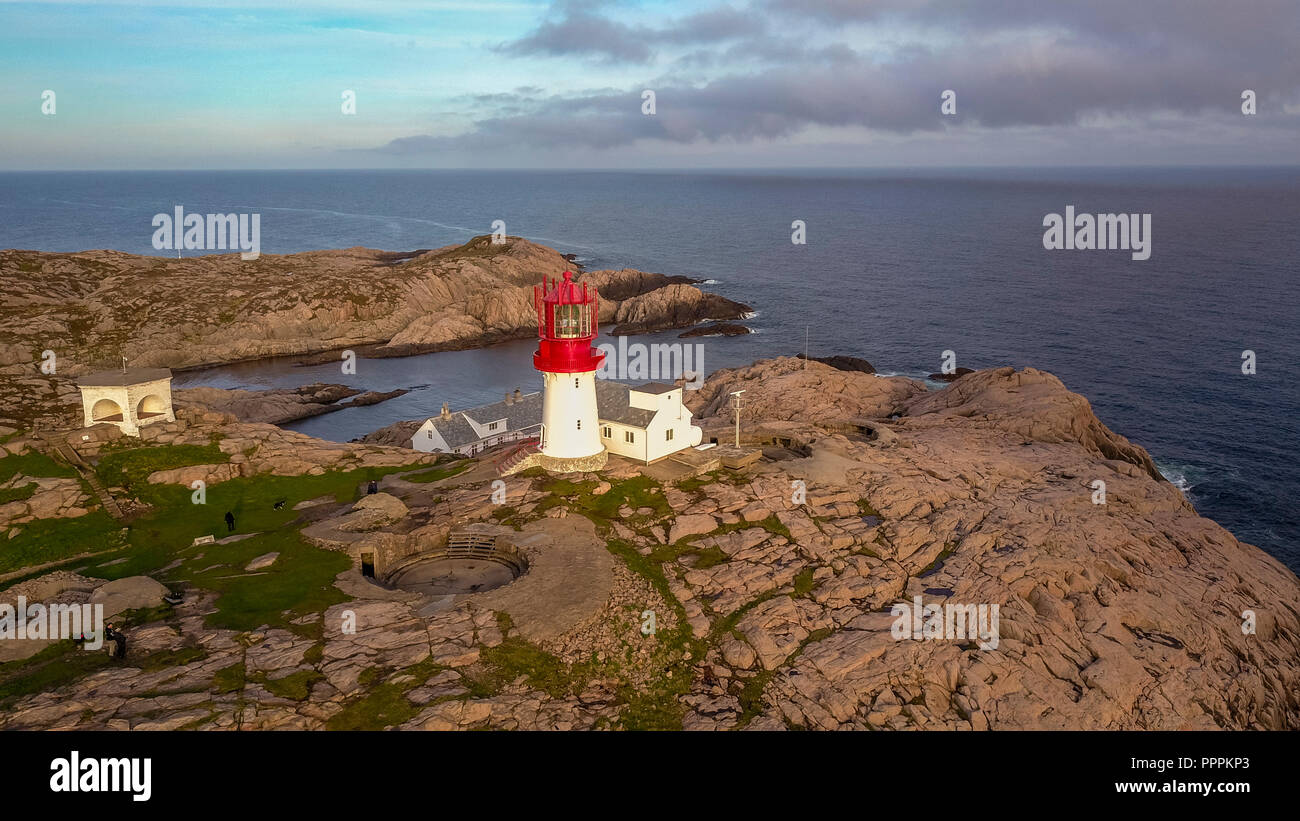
736 398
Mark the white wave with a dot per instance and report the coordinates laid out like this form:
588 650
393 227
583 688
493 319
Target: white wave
1183 477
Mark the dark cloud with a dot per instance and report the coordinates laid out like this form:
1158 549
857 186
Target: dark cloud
582 31
1017 63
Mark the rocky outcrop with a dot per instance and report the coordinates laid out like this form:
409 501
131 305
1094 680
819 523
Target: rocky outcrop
1126 614
843 363
397 434
278 406
182 313
716 329
788 388
49 498
950 377
672 306
1030 403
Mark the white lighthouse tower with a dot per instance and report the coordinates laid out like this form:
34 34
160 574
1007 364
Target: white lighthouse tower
566 326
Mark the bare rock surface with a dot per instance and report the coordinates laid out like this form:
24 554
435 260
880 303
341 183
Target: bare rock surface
93 307
788 388
761 598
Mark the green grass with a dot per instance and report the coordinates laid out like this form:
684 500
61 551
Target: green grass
301 580
803 583
48 540
710 557
17 494
59 664
771 524
295 686
229 679
385 704
635 493
515 657
34 463
439 473
865 508
130 467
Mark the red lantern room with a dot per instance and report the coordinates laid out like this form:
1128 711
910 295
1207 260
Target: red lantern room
566 326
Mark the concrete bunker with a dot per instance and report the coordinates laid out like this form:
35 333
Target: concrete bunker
474 559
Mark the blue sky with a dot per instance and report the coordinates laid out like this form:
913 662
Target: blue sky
506 83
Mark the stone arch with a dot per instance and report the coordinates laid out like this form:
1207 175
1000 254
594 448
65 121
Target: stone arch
151 405
106 410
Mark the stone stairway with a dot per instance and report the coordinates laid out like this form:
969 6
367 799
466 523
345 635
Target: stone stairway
517 458
66 453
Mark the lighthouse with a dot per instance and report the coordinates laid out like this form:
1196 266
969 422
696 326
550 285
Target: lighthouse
566 326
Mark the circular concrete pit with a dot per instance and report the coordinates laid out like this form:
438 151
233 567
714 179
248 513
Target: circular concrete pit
471 562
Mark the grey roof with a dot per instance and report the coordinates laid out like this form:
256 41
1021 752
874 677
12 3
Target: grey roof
523 413
654 387
612 405
526 412
132 376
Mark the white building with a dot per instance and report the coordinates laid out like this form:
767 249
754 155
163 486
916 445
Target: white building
127 398
473 431
645 423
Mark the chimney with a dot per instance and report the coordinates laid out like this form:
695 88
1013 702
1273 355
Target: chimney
518 396
446 411
510 400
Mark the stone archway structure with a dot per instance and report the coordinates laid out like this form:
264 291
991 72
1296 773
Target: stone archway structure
129 399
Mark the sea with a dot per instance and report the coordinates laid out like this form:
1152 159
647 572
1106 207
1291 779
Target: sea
898 267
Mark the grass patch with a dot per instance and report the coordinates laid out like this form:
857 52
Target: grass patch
515 657
17 494
865 508
172 658
295 686
709 557
301 581
57 665
229 679
130 467
49 540
439 473
803 583
386 704
34 463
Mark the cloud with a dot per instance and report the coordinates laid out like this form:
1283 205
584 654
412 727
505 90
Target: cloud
579 30
1035 79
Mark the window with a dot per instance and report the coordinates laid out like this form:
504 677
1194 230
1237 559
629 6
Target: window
606 431
572 321
492 425
668 434
430 432
629 436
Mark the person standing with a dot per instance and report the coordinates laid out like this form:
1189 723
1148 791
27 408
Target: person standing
230 521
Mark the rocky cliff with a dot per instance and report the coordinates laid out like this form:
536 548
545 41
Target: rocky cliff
1118 611
93 307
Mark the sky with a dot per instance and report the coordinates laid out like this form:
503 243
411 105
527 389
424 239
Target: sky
216 84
